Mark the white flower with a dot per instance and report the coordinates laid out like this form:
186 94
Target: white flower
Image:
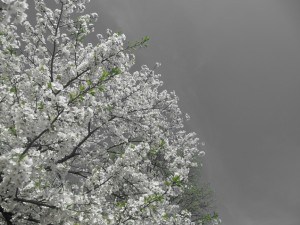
57 86
82 138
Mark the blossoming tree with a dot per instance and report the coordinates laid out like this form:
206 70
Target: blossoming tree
82 139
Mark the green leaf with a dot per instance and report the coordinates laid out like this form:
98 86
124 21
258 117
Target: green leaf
21 157
92 91
167 183
121 204
145 40
13 89
37 184
13 130
177 181
11 50
81 98
81 87
41 105
42 68
115 71
165 216
105 74
109 108
72 96
101 88
153 151
162 143
89 82
154 198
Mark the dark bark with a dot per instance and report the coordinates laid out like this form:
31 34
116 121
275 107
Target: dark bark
7 216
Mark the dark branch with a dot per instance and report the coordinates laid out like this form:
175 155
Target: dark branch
7 216
34 202
30 144
74 152
54 43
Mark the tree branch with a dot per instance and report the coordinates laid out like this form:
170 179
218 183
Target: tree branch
34 202
7 216
54 43
30 144
74 152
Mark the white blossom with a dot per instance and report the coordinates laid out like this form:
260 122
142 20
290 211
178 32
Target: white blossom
82 137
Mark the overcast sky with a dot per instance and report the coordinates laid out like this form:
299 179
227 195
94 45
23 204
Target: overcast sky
235 66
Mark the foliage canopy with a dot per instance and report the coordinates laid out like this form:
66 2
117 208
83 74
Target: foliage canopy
82 139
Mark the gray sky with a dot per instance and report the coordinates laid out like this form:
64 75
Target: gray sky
235 66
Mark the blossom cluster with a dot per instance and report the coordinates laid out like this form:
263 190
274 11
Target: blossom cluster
82 139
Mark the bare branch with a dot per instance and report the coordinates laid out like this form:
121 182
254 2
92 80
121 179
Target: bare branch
54 43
